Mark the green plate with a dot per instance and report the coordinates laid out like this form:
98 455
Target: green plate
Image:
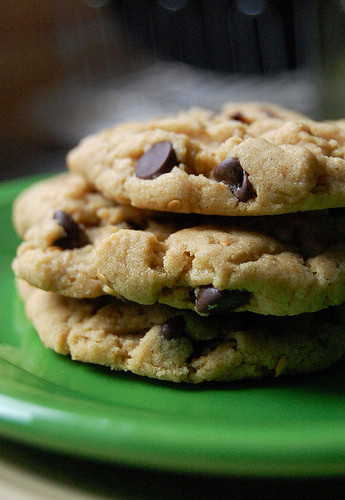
285 427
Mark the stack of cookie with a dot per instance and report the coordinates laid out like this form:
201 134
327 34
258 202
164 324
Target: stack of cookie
195 247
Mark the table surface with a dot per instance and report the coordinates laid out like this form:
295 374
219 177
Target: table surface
28 473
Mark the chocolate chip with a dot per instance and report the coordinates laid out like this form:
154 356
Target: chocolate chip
240 117
207 298
75 236
137 226
245 192
210 299
202 348
158 160
173 327
230 172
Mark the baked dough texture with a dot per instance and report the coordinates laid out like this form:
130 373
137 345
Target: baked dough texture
256 271
161 343
200 246
279 265
284 162
40 259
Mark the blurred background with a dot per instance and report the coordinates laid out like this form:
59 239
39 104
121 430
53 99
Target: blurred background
71 67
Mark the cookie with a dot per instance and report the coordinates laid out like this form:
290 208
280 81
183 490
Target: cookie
157 342
229 163
279 265
68 192
261 116
61 220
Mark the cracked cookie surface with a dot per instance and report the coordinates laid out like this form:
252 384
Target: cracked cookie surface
61 220
255 159
85 246
281 265
157 342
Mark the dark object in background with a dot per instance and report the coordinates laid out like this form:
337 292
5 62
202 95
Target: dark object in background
97 62
233 36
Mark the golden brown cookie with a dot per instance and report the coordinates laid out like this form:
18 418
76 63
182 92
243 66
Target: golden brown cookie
61 220
68 192
279 265
158 342
253 161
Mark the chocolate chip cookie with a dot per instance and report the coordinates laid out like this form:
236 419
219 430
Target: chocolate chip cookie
259 161
279 265
195 247
265 114
61 220
68 192
161 343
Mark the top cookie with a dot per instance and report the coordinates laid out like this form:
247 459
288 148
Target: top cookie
249 159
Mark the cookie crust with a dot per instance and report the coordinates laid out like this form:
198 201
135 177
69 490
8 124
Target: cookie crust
291 162
283 265
40 258
127 337
279 265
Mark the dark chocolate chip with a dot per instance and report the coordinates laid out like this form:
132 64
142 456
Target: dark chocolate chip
231 173
158 160
207 298
240 117
173 327
202 348
75 236
210 299
138 226
245 191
